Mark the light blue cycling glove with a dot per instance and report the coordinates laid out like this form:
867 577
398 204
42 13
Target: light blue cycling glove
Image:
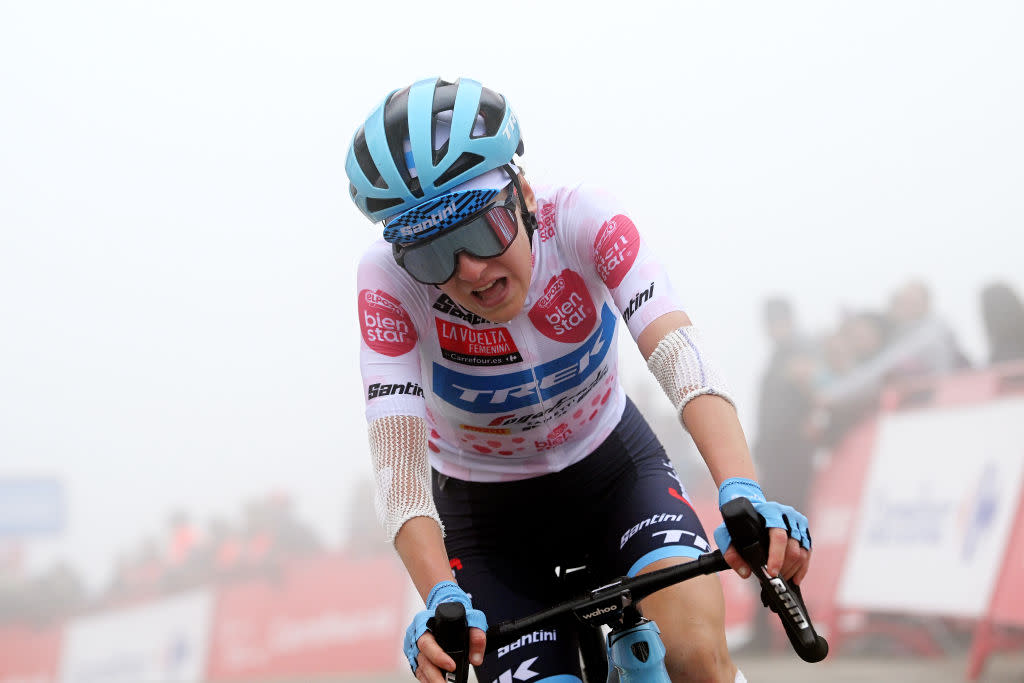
445 591
775 514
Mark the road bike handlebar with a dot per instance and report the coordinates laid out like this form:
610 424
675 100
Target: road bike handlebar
750 538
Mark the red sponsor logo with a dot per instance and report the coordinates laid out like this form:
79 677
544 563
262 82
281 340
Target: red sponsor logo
557 436
565 312
615 249
546 222
386 327
465 345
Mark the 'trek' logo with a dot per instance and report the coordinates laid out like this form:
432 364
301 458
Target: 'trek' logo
504 392
386 327
558 436
615 249
565 312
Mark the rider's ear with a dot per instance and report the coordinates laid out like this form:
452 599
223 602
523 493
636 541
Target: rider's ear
528 196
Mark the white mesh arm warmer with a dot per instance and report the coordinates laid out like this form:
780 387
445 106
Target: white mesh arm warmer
398 447
681 366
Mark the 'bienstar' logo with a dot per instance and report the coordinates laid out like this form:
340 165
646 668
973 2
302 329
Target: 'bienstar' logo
386 327
565 312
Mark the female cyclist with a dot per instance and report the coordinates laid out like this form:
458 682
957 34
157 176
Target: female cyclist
502 442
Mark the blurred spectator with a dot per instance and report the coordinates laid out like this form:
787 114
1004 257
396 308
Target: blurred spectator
922 344
43 599
782 450
909 341
56 594
182 568
1003 316
144 572
272 535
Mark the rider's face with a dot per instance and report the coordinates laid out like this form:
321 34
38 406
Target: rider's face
495 288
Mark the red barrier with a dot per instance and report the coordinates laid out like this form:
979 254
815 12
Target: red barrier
740 596
327 616
1007 607
833 512
29 655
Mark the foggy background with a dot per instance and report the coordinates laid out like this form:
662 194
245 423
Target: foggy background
177 247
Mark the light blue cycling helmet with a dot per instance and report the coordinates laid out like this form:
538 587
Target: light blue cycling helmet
398 158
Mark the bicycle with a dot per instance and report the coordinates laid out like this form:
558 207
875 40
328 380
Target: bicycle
633 651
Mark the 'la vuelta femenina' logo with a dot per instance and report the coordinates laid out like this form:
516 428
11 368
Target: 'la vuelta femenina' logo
565 312
615 249
386 327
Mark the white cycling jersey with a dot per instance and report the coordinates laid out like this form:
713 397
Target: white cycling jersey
531 396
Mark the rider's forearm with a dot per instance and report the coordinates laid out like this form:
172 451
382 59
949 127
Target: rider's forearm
716 430
421 546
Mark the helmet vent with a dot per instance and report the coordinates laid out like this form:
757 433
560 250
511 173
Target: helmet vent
365 161
492 109
466 161
375 205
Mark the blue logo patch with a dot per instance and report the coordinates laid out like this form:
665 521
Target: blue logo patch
501 393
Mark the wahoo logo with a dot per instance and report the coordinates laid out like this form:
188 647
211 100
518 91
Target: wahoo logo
636 302
599 611
429 222
514 390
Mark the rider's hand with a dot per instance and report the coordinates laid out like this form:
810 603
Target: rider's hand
427 659
789 550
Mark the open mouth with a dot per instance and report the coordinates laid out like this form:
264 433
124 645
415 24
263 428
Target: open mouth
493 293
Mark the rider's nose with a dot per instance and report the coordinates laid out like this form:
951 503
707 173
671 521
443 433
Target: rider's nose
470 268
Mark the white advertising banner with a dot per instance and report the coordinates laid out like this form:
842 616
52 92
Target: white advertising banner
937 510
163 641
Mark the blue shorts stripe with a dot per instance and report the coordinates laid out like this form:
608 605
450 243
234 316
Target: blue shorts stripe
661 554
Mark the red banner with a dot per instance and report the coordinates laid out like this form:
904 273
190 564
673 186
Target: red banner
833 511
326 616
29 655
741 597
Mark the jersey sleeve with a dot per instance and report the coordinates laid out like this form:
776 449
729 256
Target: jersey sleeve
389 358
604 239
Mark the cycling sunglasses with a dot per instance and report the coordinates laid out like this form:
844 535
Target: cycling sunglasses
485 234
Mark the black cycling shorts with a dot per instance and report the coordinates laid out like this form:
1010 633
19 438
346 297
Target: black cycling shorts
615 512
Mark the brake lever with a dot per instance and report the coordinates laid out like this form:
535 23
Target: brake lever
750 538
452 633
